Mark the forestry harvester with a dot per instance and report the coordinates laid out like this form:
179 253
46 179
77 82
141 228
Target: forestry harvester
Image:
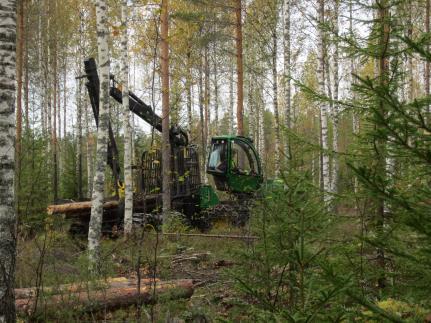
232 161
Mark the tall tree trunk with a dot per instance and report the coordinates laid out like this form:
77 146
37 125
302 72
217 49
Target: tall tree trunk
128 180
19 67
202 120
95 228
335 162
251 107
26 67
166 148
231 99
410 57
64 98
287 77
427 62
261 124
216 94
207 99
54 125
80 107
189 91
7 163
90 145
380 144
275 100
239 66
323 106
79 141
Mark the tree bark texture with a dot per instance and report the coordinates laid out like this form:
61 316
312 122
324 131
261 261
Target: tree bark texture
287 75
323 105
7 163
335 114
95 228
166 148
128 180
239 67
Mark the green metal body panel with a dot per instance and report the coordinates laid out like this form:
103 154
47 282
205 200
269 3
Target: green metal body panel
208 197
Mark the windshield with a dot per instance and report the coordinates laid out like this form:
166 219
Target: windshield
244 160
217 161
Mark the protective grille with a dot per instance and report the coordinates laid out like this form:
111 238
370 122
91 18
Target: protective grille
185 176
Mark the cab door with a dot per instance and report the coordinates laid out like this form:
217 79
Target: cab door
245 174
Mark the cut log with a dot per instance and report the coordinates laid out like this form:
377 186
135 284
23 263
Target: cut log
77 207
119 293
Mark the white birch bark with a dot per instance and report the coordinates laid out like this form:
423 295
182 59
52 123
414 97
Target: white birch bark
79 141
95 228
7 152
275 101
287 75
335 161
90 141
323 106
128 199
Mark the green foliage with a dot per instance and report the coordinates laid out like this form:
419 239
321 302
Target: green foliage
282 274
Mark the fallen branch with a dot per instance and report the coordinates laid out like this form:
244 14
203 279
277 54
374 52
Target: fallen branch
116 293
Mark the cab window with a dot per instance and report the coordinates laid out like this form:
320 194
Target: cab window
217 161
244 161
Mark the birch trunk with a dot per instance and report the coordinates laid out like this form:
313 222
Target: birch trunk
427 62
189 92
90 145
207 99
64 98
335 162
275 101
7 152
262 142
323 106
95 227
251 108
128 199
79 141
382 164
239 64
216 94
166 149
287 77
19 75
79 104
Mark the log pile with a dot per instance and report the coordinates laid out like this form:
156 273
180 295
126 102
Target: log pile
111 294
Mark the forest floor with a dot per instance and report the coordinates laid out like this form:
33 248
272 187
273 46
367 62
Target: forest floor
54 257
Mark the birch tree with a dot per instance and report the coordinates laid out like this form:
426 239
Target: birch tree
335 161
128 200
323 105
427 62
7 151
95 228
287 74
239 66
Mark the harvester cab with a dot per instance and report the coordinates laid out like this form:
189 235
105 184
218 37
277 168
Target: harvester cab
234 164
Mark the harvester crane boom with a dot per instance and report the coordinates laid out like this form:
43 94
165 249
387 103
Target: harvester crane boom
177 135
